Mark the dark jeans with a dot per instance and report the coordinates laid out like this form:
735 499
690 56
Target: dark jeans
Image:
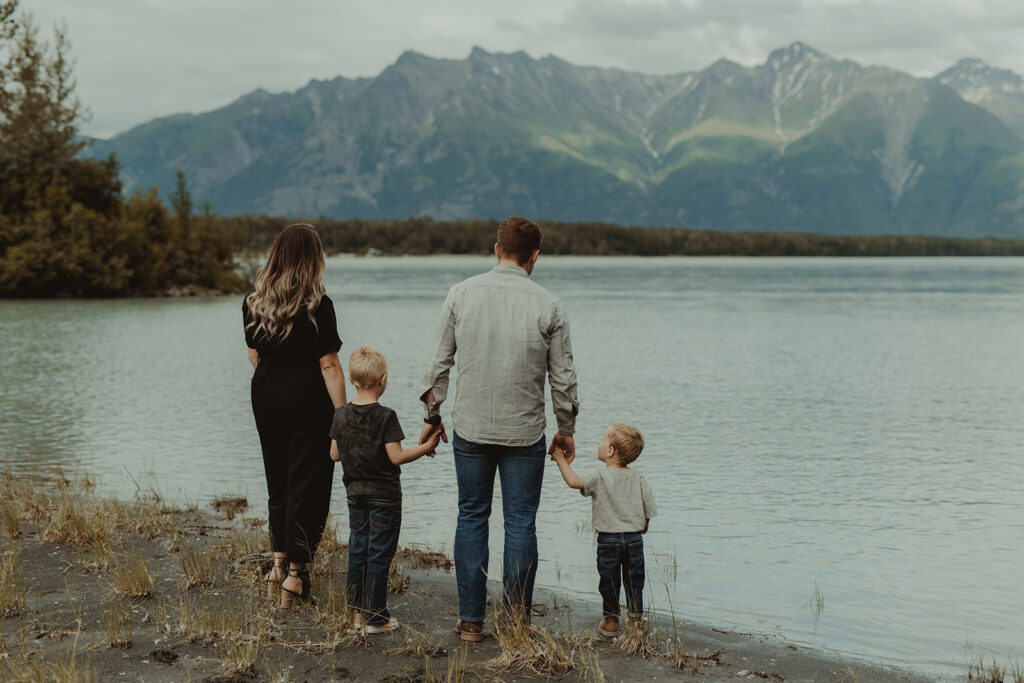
372 542
293 413
620 562
521 469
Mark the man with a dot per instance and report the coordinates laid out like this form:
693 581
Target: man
510 333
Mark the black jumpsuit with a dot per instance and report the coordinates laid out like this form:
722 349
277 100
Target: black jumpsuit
293 414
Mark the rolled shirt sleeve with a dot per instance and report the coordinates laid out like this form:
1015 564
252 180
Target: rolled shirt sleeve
562 375
441 359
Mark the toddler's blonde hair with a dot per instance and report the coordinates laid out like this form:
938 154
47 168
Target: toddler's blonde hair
627 441
366 367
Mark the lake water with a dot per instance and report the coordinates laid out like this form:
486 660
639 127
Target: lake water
849 429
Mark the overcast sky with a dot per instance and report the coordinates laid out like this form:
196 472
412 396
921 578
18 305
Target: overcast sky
139 59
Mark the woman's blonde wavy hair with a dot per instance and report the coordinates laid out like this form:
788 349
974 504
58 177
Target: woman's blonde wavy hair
290 281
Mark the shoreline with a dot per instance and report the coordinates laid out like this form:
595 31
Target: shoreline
97 588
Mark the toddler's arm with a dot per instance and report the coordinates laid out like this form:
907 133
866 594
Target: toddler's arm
647 523
400 456
335 453
574 480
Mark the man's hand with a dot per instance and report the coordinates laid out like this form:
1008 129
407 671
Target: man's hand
428 430
567 445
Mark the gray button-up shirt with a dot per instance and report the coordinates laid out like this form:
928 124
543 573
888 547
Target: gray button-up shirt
509 333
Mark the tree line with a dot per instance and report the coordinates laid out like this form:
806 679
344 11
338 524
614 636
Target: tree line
66 228
423 236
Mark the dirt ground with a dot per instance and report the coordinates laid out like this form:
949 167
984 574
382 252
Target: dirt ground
92 589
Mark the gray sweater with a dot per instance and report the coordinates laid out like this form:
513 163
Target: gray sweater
622 500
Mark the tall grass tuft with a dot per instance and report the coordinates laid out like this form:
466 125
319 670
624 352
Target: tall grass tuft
131 576
120 629
197 566
12 590
455 672
530 648
637 639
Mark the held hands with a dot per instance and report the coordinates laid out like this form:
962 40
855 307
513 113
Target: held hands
566 445
433 435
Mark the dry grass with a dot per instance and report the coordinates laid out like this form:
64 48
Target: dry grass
77 521
590 668
637 639
130 576
240 652
529 648
418 644
428 559
148 517
229 506
12 590
34 667
334 614
455 671
849 674
10 518
328 558
398 580
197 566
978 671
120 629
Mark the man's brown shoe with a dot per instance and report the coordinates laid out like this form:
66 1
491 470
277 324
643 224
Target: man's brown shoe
609 628
471 631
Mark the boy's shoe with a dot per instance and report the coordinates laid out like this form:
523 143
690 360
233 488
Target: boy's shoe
609 628
470 631
388 626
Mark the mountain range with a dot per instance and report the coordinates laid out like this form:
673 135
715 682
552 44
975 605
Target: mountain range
803 142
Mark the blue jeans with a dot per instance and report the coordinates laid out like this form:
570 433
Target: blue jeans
521 469
372 542
620 563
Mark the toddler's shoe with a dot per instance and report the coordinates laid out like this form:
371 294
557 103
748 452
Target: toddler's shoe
390 625
609 628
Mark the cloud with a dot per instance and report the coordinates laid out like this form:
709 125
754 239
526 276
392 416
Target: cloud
139 59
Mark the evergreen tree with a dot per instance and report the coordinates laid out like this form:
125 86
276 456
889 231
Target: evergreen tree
64 227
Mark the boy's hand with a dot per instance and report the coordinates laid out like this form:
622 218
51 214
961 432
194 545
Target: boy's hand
567 445
428 432
433 440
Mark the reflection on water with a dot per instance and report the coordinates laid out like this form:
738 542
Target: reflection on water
851 427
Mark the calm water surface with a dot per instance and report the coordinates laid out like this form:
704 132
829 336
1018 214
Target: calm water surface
848 428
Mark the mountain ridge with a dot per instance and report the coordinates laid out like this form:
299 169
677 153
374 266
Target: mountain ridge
498 133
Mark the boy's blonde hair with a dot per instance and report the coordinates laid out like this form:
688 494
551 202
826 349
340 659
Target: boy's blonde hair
366 367
627 441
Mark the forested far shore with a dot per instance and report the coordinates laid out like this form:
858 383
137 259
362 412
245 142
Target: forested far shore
416 236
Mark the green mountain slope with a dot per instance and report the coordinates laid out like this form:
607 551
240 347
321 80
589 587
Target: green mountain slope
802 142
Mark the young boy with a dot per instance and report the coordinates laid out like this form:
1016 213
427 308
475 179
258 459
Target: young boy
623 505
367 438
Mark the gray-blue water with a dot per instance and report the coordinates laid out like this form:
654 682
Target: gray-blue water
844 428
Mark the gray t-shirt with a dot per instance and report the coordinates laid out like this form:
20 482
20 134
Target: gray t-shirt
622 500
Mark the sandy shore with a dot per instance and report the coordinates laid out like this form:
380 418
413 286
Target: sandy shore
98 589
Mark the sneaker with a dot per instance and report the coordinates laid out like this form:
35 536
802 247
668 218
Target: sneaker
390 625
470 631
609 628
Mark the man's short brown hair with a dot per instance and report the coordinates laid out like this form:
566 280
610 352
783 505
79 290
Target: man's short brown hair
627 441
366 367
518 238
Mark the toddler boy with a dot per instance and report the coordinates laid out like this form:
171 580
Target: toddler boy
623 505
367 439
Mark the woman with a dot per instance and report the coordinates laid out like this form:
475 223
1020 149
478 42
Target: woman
292 334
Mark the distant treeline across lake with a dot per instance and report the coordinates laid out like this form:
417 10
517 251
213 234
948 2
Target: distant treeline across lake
423 235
